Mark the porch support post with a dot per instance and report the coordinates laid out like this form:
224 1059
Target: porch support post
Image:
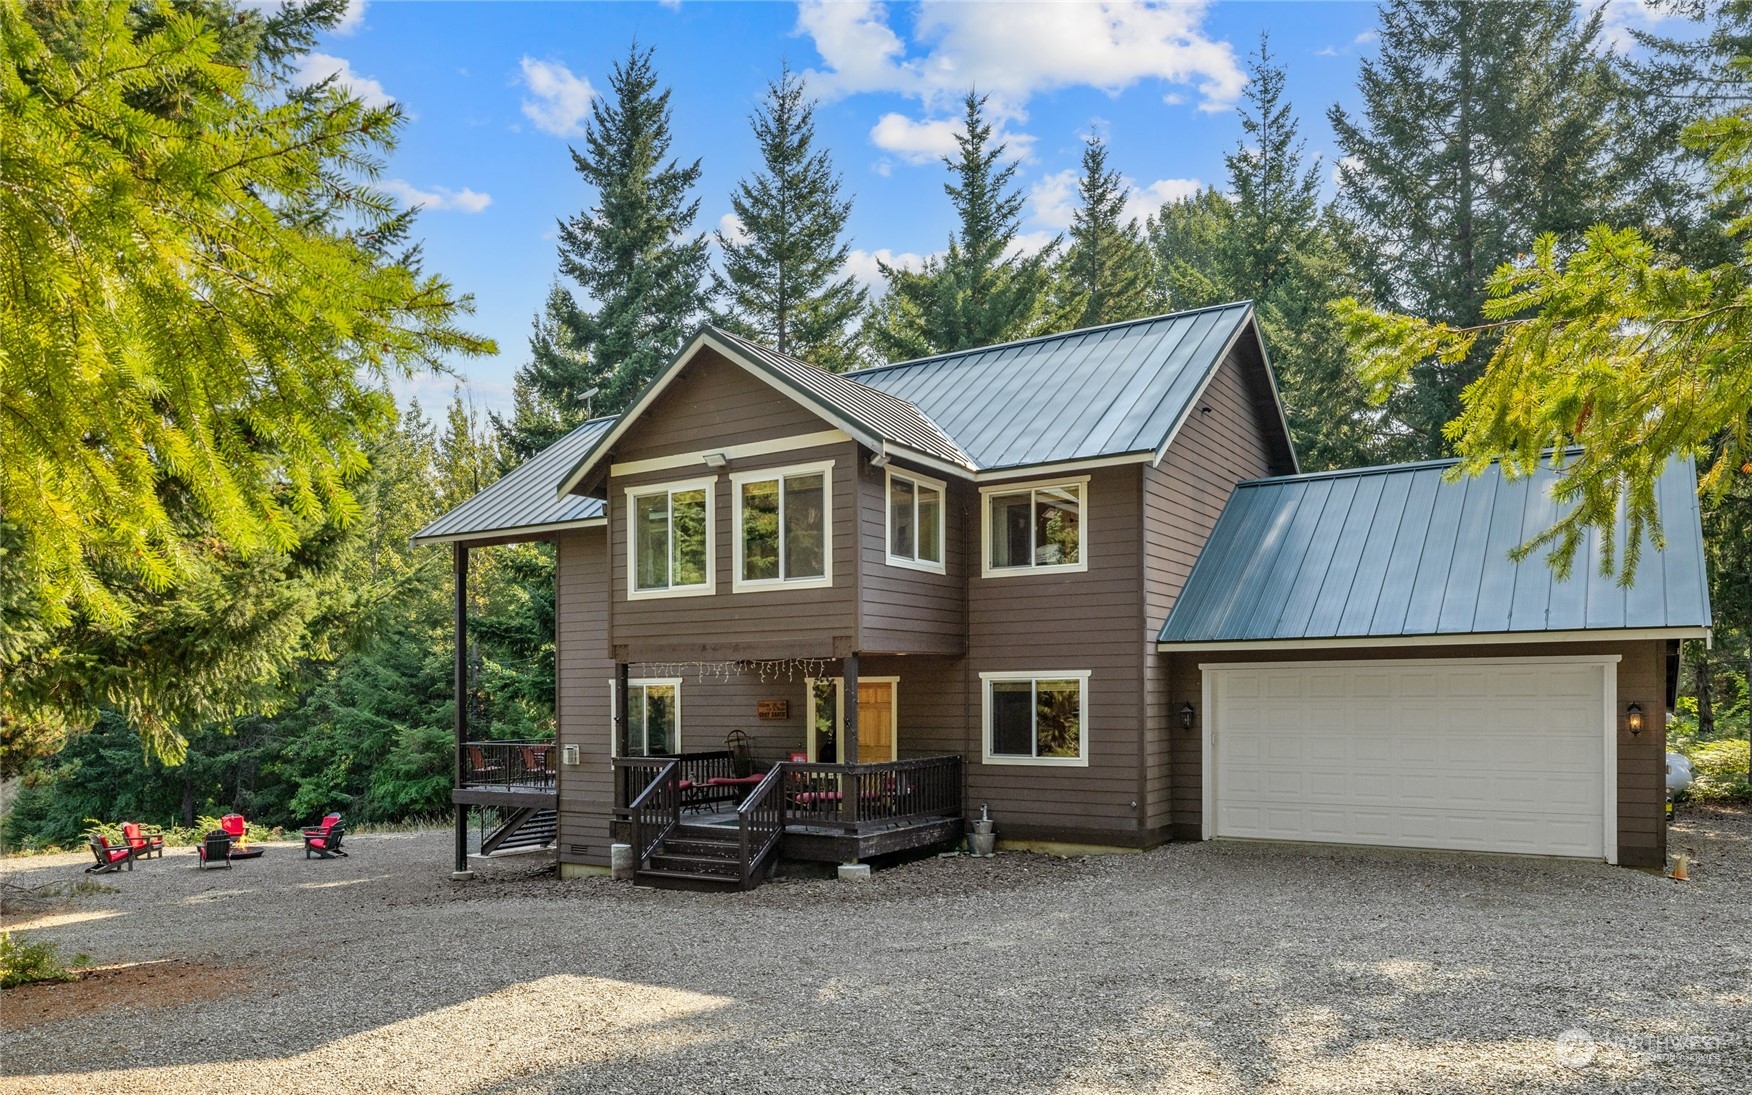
618 734
849 738
460 872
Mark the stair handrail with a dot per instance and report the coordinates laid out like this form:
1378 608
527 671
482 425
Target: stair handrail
759 824
662 797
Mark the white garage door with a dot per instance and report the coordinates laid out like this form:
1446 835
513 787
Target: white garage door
1479 756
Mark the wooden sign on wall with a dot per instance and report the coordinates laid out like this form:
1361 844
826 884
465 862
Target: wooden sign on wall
773 709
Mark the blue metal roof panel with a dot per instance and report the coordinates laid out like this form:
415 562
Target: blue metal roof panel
524 499
1400 551
1103 391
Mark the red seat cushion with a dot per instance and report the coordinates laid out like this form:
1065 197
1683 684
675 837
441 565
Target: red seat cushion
735 781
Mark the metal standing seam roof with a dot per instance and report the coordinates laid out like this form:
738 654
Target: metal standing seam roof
886 416
524 499
1399 551
1102 391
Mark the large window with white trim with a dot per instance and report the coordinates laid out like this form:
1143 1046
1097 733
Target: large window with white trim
669 539
1036 718
915 521
653 717
1032 527
784 526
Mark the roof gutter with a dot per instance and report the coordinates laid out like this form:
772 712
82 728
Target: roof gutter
528 532
1349 642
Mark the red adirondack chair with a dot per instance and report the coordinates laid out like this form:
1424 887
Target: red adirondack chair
110 857
324 841
145 841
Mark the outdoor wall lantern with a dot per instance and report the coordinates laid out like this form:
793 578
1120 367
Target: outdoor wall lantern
1186 714
1633 718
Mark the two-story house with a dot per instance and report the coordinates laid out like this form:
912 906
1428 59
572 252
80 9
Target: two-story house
1077 581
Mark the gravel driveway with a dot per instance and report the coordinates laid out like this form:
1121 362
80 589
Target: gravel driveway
1193 968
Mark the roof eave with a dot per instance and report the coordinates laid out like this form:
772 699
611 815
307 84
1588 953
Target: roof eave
1465 638
517 534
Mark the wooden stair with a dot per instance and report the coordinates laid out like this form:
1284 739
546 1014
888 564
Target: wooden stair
524 827
696 857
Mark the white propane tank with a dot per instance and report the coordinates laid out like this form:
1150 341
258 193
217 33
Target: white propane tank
1678 773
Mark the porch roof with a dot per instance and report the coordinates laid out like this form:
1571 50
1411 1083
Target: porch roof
524 502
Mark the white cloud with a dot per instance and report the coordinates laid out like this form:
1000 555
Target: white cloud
731 225
1053 200
1029 243
438 197
561 98
1022 50
1364 38
861 265
316 67
1326 51
916 142
1623 16
351 19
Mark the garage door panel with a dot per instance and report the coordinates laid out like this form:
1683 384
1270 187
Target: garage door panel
1502 758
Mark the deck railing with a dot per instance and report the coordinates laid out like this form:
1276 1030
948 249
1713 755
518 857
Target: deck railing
634 774
655 811
522 765
861 797
760 821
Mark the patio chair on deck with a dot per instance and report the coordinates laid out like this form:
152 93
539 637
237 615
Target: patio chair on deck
145 840
478 766
110 857
214 851
324 841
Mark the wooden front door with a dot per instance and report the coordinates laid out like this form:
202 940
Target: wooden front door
875 721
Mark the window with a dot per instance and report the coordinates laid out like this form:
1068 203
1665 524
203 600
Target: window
783 532
653 717
915 522
1035 526
669 540
1036 718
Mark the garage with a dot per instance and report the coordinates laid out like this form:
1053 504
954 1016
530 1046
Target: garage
1360 657
1466 754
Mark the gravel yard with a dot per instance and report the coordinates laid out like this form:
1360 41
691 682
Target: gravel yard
1193 968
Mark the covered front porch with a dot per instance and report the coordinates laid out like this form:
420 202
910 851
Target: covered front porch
810 769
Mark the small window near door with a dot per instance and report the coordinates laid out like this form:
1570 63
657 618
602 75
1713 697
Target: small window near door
915 521
1036 718
653 717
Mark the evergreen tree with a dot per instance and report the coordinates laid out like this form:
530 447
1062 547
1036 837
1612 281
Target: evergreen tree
782 284
1484 124
549 392
630 253
1106 273
977 293
1189 241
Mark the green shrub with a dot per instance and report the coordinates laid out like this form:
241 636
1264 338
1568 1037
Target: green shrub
1718 772
22 962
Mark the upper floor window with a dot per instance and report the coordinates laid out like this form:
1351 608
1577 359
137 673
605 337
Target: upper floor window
784 527
669 540
915 521
1034 526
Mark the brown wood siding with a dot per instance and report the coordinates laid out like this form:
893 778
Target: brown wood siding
1076 621
1183 497
903 610
711 404
1642 675
583 672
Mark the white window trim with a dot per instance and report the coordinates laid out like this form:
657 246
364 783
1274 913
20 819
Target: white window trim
986 570
839 714
1081 676
917 481
739 584
711 584
614 707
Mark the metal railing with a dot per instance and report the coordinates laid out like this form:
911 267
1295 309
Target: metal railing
523 765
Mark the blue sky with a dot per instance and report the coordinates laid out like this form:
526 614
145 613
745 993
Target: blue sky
497 91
